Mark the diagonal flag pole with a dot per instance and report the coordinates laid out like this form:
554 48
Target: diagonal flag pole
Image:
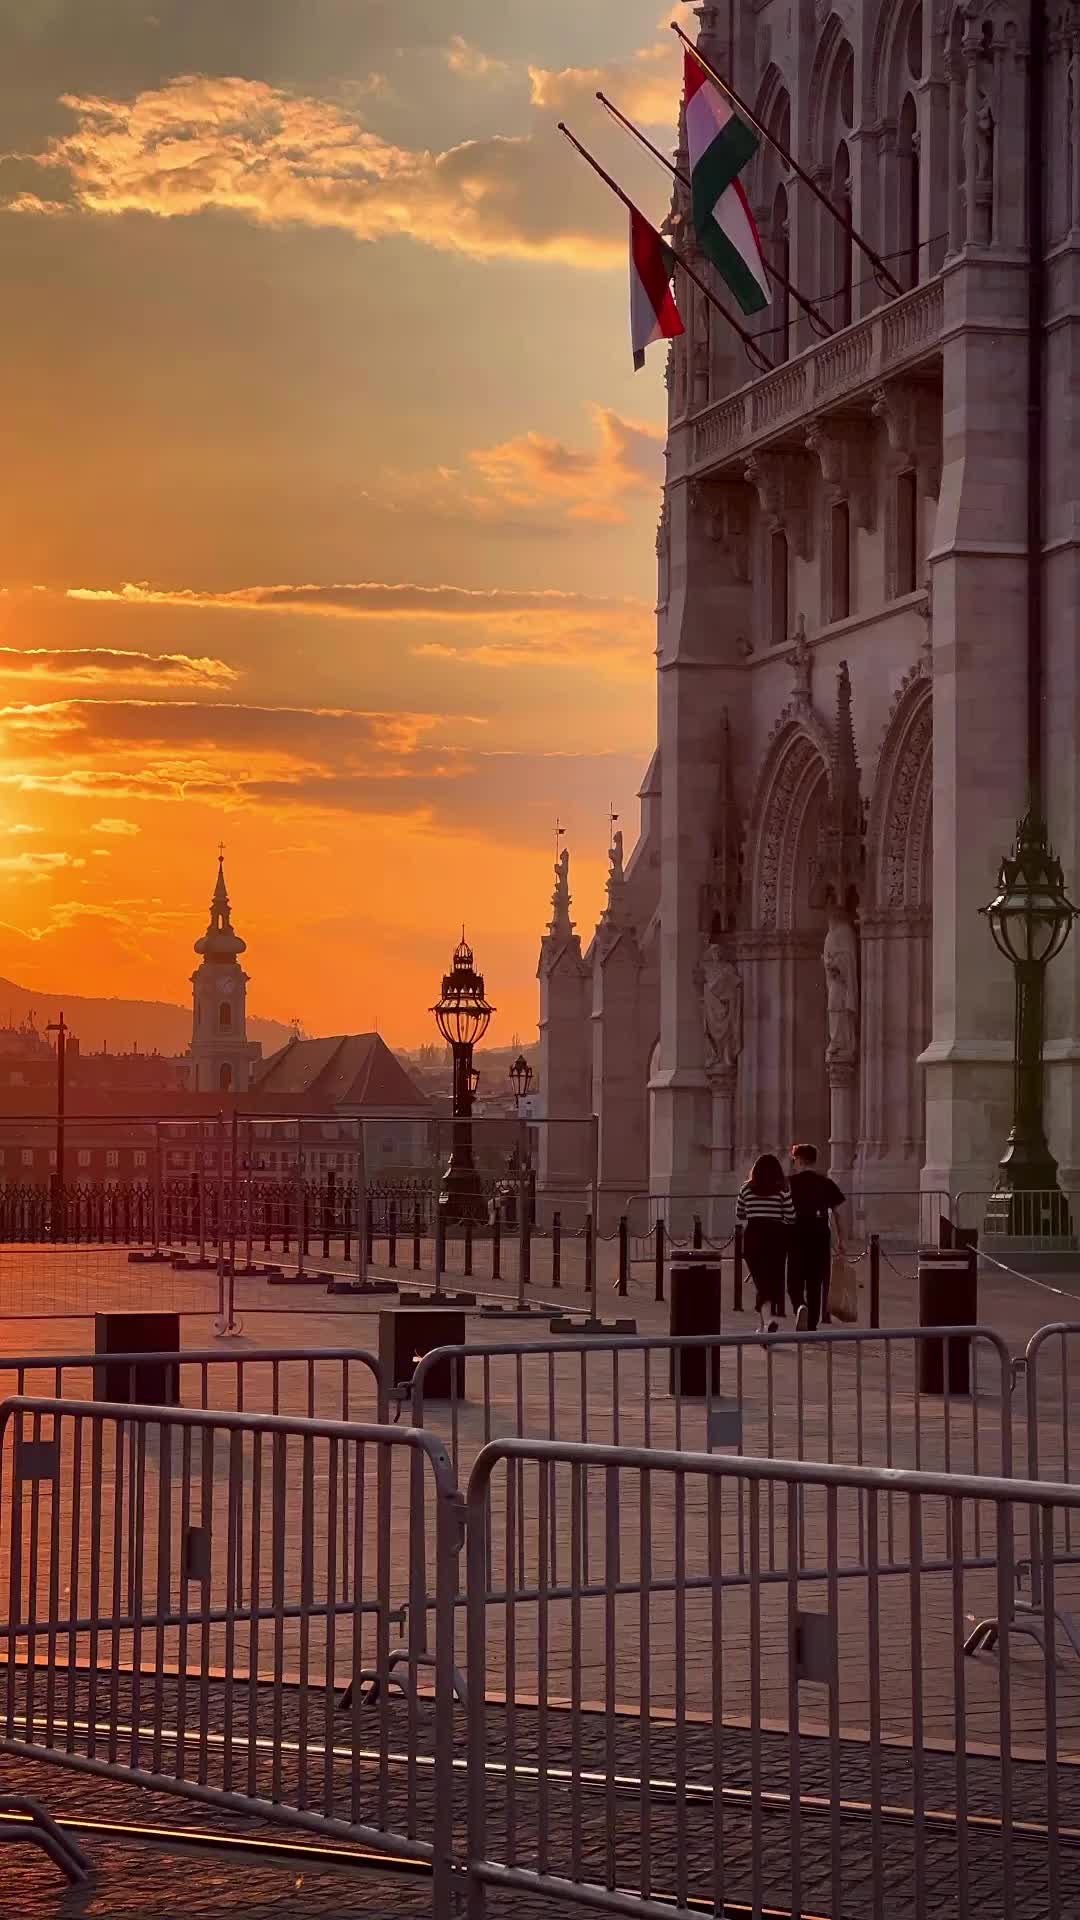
881 271
753 351
817 318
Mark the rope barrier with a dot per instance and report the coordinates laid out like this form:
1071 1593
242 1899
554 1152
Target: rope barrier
1043 1285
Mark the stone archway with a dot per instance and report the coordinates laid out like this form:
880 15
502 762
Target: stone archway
783 1086
896 934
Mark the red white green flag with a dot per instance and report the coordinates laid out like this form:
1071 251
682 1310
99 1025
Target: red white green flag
719 145
653 313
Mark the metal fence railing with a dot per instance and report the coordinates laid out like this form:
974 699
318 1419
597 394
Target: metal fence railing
189 1592
843 1396
647 1734
1027 1222
668 1680
337 1383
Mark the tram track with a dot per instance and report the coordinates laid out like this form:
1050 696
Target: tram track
661 1788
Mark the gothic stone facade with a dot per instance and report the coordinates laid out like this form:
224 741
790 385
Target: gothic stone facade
794 949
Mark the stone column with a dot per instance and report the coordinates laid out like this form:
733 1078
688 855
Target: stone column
894 944
842 1105
701 678
971 109
955 71
724 1081
979 598
841 961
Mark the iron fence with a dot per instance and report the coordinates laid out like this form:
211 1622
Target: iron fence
848 1396
648 1734
189 1592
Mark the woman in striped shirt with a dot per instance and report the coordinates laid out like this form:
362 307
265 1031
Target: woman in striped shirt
766 1213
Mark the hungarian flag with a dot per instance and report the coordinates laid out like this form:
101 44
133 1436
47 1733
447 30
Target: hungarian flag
653 313
719 145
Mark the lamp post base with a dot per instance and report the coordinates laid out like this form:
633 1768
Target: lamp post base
462 1196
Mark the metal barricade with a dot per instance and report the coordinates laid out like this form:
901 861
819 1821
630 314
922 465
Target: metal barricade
648 1734
189 1592
840 1395
1053 1452
329 1383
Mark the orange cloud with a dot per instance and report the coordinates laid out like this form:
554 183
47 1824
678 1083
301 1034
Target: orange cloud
221 725
645 86
368 600
593 484
109 664
579 630
243 146
468 61
37 866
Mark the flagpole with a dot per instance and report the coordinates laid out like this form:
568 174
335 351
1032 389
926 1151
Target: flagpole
789 160
753 350
817 318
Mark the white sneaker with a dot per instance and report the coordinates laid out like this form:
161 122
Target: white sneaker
800 1320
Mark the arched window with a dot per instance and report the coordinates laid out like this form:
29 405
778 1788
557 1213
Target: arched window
907 162
225 1079
907 531
224 1016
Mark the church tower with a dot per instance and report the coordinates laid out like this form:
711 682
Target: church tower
220 1052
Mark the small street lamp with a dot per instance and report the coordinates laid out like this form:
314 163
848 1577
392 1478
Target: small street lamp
1030 918
462 1015
520 1078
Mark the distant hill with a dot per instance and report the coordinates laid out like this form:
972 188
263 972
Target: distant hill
120 1024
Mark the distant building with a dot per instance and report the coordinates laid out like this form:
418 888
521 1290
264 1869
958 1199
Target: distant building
350 1075
134 1117
222 1056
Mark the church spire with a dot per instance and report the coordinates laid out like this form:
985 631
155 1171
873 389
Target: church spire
220 941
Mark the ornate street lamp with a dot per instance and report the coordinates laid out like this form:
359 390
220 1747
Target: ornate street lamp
520 1078
1030 918
462 1015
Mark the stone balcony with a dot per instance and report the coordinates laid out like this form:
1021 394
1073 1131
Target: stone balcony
898 337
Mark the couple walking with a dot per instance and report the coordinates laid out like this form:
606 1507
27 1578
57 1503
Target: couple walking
787 1224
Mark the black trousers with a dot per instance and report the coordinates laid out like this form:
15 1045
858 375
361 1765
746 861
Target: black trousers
765 1249
809 1260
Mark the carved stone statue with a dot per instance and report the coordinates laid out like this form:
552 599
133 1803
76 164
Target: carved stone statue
984 142
841 961
802 662
722 997
615 856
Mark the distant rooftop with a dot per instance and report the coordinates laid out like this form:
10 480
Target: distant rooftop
342 1070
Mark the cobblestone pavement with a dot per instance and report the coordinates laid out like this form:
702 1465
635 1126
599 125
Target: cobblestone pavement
600 1822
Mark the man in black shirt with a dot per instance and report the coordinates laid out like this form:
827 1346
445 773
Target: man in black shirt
816 1199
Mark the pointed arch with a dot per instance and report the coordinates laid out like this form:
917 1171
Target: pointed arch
900 823
792 786
831 92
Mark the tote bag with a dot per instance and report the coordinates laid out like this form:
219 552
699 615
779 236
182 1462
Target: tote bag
843 1290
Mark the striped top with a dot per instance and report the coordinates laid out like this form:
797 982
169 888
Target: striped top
764 1206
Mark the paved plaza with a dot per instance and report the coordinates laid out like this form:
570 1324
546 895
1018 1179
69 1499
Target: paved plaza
850 1402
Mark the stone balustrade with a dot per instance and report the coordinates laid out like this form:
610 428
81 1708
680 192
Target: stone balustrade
906 331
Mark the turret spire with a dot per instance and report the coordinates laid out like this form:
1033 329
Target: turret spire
561 926
220 942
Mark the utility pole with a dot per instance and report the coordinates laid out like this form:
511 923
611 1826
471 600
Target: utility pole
59 1028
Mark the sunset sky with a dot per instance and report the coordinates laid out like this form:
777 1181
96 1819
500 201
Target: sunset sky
329 490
